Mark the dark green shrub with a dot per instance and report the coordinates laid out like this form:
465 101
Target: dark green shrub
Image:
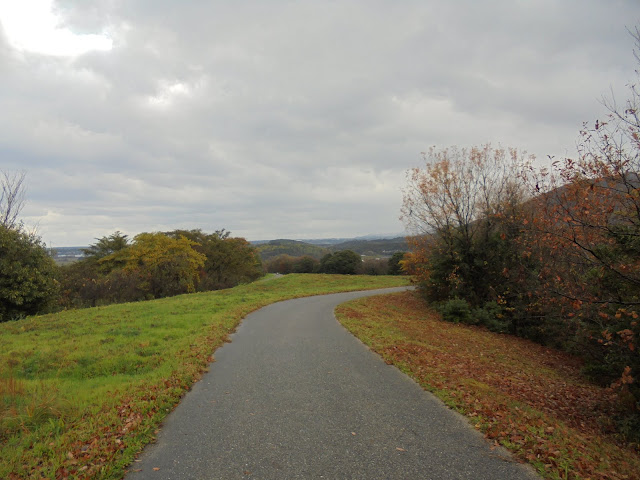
343 262
394 266
491 316
456 310
27 275
305 264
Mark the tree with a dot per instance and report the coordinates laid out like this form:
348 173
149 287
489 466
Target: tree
456 187
305 264
230 261
394 265
166 266
285 264
27 275
282 264
157 265
105 246
589 235
465 209
12 197
374 266
27 272
562 267
344 262
94 281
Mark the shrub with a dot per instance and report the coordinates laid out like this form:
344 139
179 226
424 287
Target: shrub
394 265
344 262
305 264
27 275
491 316
456 310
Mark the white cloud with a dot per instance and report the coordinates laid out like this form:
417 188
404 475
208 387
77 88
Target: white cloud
31 25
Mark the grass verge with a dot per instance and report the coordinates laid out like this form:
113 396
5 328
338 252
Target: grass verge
528 398
81 392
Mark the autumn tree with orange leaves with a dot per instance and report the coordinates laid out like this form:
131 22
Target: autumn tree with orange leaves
560 265
589 234
465 208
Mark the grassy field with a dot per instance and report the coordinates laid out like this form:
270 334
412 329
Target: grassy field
528 398
83 391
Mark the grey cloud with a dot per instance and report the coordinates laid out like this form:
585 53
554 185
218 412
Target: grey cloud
291 119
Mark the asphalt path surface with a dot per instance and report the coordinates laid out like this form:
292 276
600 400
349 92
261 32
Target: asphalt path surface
294 395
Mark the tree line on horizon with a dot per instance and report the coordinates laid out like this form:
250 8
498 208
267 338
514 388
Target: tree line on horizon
344 262
118 269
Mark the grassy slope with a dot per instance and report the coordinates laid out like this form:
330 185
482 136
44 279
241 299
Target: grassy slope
529 398
83 391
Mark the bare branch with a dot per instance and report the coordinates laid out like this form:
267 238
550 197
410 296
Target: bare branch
12 197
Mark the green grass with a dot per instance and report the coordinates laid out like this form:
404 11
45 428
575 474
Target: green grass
81 392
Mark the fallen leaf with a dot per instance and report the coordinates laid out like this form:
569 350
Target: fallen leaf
155 469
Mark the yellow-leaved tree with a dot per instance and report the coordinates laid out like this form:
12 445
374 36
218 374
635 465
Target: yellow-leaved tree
164 265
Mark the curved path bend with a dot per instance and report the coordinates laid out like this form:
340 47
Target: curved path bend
296 396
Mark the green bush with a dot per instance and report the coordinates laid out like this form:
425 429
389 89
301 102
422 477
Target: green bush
394 267
491 316
305 264
456 310
343 262
27 275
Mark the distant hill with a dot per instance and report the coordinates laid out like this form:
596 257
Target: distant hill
336 241
295 248
380 247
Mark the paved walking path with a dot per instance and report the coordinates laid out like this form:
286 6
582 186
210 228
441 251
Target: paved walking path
295 396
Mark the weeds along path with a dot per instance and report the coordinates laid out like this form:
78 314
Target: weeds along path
294 395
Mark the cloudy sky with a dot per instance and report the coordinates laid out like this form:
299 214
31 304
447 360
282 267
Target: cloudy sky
283 119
